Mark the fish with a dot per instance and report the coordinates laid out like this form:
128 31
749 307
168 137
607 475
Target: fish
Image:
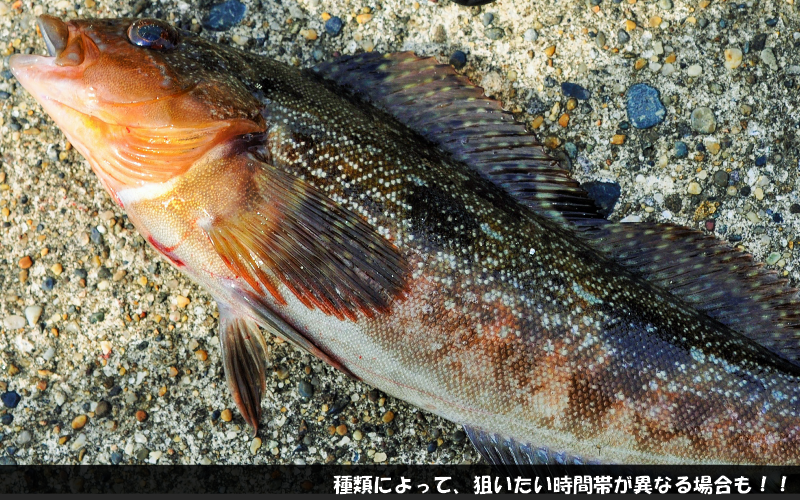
380 212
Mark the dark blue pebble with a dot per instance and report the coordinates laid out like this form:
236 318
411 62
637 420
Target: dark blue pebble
334 25
116 458
7 461
570 89
571 149
734 177
115 391
4 95
305 389
432 446
301 448
95 236
644 106
772 22
624 125
700 147
777 218
7 74
7 419
735 237
215 415
225 16
681 150
458 60
11 450
604 194
10 399
761 161
48 283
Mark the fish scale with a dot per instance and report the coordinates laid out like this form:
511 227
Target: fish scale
428 247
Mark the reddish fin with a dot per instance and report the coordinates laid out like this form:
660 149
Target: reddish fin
726 284
244 356
449 111
327 255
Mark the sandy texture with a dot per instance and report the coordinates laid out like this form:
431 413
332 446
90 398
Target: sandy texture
114 369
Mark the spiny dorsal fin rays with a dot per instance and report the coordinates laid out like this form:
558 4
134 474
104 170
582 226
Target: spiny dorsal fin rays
326 255
726 284
449 111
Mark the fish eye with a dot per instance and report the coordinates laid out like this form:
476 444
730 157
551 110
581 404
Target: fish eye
153 34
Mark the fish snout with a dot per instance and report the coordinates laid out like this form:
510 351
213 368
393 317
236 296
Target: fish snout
55 33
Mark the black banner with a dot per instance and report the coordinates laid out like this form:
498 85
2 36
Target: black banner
394 479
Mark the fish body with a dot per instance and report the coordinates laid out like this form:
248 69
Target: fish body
326 220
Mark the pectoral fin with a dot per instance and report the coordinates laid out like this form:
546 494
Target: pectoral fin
325 254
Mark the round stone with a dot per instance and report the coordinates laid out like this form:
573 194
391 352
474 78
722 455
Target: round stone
224 16
733 58
644 106
531 35
334 25
458 59
305 389
703 120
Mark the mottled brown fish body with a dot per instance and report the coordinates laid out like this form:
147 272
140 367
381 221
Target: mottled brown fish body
330 222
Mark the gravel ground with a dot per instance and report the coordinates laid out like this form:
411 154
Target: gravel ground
113 354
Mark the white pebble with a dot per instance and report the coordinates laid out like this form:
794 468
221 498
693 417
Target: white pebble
733 58
380 457
32 314
14 322
694 70
79 442
668 69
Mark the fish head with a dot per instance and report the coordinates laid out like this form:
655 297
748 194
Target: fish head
141 100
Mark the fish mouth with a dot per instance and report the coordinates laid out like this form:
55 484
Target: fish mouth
55 33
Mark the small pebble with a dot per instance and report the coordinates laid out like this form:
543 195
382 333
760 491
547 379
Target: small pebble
703 120
116 457
694 188
226 415
32 314
224 16
721 178
379 457
25 262
7 419
495 33
570 89
644 106
458 59
255 445
388 417
305 389
761 161
681 149
623 37
768 58
341 430
14 322
694 70
10 399
488 18
48 284
357 435
733 58
79 421
531 35
141 415
103 409
604 194
334 25
773 258
23 438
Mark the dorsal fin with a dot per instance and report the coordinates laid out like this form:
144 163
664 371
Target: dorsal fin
726 284
446 109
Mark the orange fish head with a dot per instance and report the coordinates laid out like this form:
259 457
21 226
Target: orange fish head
140 99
